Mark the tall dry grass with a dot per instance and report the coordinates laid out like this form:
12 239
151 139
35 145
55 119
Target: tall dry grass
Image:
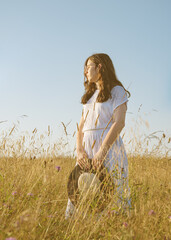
33 194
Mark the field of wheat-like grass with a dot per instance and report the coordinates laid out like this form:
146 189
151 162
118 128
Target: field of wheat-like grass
33 197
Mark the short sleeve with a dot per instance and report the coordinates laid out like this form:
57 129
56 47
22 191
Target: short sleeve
119 96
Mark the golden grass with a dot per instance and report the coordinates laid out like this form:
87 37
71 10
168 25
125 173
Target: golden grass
33 198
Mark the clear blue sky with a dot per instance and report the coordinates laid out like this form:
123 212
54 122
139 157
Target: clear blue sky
43 46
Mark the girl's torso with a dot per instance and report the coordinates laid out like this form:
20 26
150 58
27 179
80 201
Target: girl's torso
97 115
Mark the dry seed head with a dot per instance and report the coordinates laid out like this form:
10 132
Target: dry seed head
77 127
35 130
106 127
139 108
123 135
93 144
64 129
73 134
12 130
97 120
48 130
3 121
86 116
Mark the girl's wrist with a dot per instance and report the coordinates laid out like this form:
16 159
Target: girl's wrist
79 149
103 151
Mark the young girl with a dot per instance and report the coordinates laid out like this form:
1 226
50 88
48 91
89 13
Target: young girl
104 109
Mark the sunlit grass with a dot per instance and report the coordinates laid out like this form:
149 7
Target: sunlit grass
33 195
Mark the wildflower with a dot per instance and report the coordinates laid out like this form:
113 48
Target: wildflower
125 224
169 218
58 168
14 193
17 224
11 238
151 212
30 194
6 205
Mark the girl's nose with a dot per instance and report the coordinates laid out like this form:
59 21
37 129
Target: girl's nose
85 71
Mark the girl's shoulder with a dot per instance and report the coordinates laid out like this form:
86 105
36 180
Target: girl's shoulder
117 90
119 96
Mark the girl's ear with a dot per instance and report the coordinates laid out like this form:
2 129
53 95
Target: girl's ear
100 66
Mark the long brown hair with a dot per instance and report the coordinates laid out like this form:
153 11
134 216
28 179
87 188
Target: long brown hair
108 76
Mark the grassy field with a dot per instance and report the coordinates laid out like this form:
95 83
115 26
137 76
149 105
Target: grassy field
33 200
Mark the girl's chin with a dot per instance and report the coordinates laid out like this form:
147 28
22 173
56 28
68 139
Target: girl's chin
91 80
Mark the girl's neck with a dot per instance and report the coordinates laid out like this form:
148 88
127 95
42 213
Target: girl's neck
97 86
98 83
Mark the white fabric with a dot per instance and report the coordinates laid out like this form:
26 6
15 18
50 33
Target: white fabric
97 117
103 111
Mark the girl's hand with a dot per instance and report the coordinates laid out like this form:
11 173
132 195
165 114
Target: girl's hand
97 161
82 159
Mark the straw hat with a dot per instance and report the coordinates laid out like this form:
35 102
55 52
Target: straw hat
88 181
81 181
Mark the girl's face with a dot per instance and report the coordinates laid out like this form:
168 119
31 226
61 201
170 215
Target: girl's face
92 72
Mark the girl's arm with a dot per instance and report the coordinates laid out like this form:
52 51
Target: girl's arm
118 124
80 135
81 154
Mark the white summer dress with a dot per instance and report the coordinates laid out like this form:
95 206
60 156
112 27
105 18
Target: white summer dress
97 122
